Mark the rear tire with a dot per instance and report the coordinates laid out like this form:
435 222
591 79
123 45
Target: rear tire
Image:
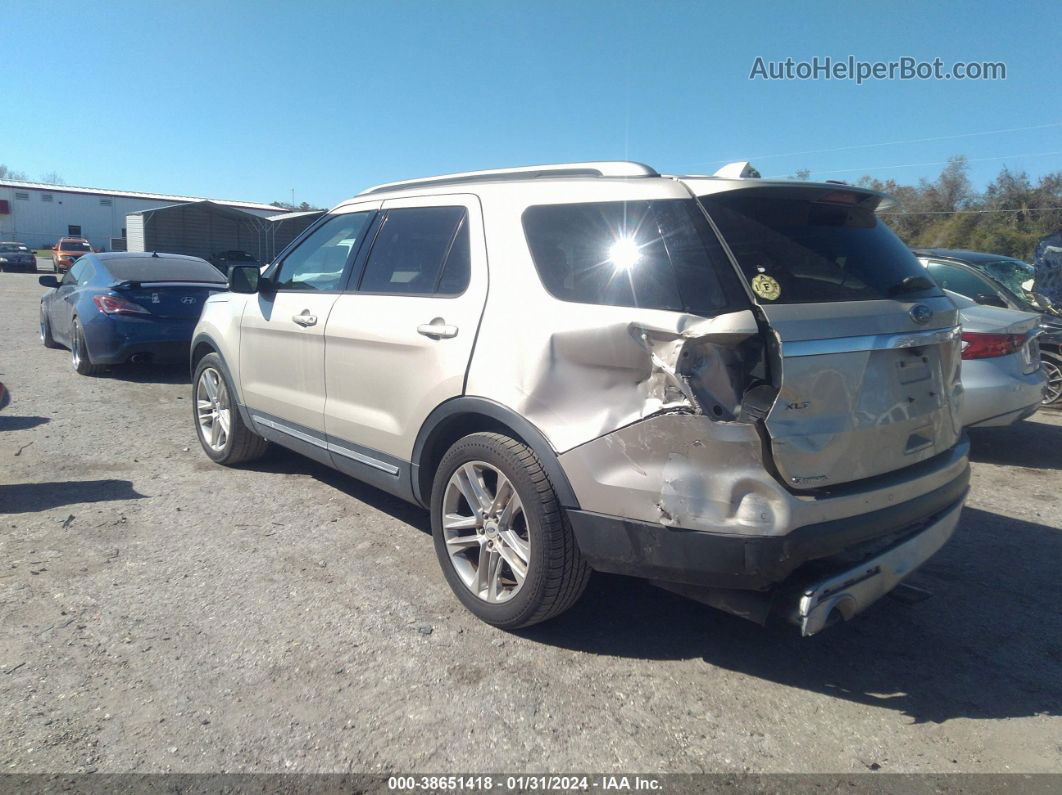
79 355
46 332
539 541
219 426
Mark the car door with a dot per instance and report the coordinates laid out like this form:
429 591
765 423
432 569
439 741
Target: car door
63 301
399 339
282 329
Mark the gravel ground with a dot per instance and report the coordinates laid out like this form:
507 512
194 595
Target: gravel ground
160 613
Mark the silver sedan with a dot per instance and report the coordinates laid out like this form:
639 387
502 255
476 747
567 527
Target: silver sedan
1002 379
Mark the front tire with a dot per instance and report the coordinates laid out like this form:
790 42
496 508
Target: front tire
79 355
224 436
503 542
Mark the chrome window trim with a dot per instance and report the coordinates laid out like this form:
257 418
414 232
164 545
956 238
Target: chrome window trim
873 342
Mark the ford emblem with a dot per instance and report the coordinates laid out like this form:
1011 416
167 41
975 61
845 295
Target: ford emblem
920 313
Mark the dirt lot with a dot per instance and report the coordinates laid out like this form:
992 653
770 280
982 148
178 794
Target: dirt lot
160 613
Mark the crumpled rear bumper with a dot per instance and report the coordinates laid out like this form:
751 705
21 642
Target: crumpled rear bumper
752 562
847 593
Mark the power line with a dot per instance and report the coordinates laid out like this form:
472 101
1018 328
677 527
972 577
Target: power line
928 163
973 212
889 143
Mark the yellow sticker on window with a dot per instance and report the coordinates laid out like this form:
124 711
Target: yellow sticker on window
766 287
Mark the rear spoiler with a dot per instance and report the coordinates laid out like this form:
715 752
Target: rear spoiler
134 285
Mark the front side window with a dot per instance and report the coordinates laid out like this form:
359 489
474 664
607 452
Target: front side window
649 254
319 261
813 246
419 251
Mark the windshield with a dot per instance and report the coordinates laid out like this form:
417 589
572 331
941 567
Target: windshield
8 248
68 245
1014 275
798 250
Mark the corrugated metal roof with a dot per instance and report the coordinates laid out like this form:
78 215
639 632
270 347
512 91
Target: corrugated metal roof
12 183
299 214
222 208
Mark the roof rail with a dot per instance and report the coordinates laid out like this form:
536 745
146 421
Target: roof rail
599 168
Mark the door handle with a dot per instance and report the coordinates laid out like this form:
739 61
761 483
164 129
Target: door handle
305 318
437 329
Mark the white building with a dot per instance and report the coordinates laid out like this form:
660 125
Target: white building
38 214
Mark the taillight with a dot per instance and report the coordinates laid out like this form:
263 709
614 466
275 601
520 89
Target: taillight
988 346
112 305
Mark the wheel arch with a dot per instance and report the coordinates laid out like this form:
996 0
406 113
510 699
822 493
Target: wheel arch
461 416
202 345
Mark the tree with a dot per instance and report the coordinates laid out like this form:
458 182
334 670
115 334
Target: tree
52 178
7 173
1008 218
302 207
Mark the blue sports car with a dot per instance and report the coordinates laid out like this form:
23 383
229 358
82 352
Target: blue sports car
121 307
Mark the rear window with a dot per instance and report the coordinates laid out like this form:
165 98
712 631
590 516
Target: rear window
68 245
162 269
800 250
647 254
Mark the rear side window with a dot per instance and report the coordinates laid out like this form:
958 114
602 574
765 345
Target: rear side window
419 251
802 250
959 281
648 254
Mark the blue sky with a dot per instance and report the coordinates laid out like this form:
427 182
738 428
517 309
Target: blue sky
249 99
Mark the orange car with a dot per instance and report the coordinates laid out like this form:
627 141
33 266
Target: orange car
66 252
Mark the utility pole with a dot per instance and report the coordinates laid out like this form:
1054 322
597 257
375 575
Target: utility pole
293 198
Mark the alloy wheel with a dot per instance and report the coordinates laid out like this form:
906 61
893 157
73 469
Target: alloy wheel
486 531
75 346
213 409
1053 387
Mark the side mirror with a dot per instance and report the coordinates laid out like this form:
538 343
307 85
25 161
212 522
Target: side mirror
990 300
55 248
245 279
48 281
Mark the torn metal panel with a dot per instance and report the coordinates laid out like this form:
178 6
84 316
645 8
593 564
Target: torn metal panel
582 380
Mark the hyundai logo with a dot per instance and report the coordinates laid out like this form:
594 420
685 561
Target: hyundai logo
920 313
190 300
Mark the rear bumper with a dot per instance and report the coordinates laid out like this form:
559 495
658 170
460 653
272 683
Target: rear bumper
753 562
998 393
116 341
847 593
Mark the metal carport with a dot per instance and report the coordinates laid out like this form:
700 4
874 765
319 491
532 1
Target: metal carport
204 228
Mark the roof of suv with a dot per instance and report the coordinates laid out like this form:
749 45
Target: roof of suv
565 175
